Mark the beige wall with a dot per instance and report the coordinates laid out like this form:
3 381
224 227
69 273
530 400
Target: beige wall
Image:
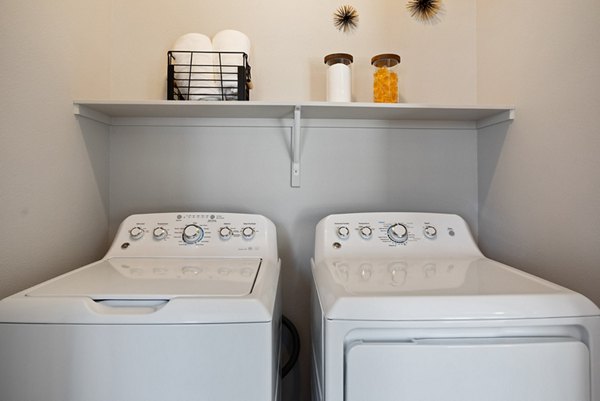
53 177
290 39
539 188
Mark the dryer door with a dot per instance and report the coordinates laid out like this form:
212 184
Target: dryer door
469 369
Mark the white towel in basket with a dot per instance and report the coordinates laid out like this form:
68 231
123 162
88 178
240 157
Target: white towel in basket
195 72
230 40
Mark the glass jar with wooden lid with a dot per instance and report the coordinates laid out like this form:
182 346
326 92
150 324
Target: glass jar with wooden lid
385 78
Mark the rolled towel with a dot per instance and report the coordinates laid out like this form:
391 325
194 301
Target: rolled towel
195 72
230 40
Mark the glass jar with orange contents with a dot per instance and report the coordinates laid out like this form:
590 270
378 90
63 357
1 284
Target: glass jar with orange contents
385 79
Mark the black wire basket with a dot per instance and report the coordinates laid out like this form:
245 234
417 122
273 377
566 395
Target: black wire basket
203 75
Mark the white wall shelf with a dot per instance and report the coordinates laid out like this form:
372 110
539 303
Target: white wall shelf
293 116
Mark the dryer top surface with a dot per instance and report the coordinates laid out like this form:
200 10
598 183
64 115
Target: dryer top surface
426 289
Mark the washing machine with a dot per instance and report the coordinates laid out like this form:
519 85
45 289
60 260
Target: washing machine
406 307
184 306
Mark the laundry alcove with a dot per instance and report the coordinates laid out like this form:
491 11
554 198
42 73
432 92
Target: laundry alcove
239 157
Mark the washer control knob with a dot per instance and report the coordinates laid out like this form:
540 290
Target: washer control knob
248 232
430 232
136 232
159 233
365 232
343 232
192 234
225 233
398 233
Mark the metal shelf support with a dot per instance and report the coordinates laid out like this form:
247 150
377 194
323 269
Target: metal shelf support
296 136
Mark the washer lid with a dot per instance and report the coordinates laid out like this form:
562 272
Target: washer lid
155 278
425 289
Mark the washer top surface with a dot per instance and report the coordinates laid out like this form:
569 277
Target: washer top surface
155 278
165 268
425 266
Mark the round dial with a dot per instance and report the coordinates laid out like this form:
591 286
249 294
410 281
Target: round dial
343 232
192 233
136 232
159 233
430 232
248 232
398 233
365 232
225 233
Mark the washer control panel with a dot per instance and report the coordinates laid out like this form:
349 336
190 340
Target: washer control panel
388 234
194 234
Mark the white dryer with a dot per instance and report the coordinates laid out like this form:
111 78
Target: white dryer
405 307
184 306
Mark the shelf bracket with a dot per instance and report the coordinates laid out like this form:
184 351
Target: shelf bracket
296 135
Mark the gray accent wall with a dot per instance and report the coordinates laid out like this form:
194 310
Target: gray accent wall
154 169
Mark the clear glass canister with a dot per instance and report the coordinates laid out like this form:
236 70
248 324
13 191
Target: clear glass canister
385 78
339 77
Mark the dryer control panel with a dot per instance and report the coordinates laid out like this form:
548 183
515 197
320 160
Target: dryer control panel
198 234
382 235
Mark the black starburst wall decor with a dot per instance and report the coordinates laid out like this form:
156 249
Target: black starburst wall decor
345 18
424 10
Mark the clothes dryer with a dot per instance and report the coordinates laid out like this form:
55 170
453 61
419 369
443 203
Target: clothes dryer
184 306
406 307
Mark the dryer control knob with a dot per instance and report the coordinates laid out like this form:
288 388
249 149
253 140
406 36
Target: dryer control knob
343 232
430 232
398 233
159 233
192 234
365 232
225 233
248 232
136 232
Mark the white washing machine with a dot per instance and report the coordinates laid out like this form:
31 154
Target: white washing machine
184 306
405 307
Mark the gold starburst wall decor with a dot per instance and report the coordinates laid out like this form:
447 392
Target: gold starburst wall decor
424 10
345 18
